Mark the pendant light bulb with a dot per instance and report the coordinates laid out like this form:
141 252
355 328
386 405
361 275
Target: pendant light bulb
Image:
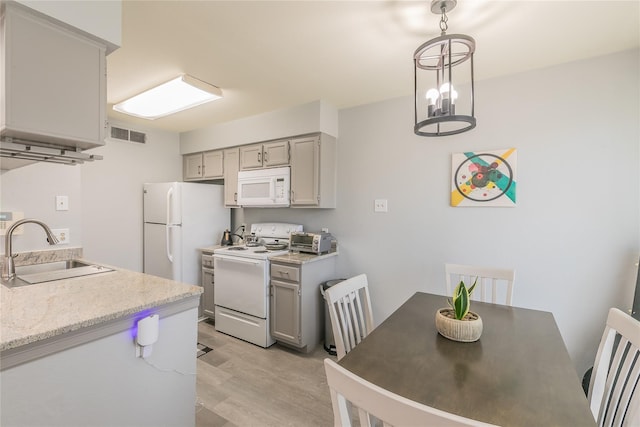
432 96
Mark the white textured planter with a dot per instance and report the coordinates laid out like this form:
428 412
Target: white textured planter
467 330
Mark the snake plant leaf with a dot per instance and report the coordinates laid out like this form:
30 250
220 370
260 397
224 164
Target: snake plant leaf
461 301
473 286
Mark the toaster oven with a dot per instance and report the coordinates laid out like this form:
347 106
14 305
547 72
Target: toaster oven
314 243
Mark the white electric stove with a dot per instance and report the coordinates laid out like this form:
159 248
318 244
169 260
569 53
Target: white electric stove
242 283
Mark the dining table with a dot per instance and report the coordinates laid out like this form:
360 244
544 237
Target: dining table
518 373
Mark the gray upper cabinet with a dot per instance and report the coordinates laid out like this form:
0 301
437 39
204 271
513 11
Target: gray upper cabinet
203 166
312 159
231 167
192 167
213 164
265 155
313 171
53 80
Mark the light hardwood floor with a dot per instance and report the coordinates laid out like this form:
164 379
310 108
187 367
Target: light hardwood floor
240 384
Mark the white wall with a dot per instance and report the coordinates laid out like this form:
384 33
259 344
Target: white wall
32 190
112 194
316 116
574 237
105 197
103 383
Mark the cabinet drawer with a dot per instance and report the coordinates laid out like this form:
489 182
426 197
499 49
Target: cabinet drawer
286 272
207 261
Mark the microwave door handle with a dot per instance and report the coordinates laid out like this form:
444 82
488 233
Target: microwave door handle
273 189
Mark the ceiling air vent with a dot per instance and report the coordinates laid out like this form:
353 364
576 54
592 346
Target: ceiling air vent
128 135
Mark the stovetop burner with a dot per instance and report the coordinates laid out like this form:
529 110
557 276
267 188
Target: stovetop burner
266 240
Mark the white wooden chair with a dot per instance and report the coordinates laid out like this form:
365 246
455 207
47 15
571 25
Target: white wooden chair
351 391
349 307
614 390
498 282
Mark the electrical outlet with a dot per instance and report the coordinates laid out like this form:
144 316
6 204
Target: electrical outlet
380 205
324 230
62 234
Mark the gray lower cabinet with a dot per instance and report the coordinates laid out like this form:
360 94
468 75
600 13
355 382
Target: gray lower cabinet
297 307
285 320
207 302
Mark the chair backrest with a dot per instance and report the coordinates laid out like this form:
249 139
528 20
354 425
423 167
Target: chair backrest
349 390
349 307
614 390
494 285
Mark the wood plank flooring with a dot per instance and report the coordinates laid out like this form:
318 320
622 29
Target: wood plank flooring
240 384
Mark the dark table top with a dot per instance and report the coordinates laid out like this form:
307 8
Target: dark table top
518 374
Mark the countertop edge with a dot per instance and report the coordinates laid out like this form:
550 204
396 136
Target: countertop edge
29 339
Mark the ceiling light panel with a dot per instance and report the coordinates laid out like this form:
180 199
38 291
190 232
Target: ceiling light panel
175 95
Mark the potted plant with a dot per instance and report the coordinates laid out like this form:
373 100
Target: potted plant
456 322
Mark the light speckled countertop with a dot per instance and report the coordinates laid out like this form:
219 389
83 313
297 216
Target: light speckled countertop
301 258
36 312
291 257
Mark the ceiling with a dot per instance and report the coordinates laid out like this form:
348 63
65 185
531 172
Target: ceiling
268 55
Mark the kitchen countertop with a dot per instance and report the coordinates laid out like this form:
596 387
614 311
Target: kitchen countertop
301 258
32 313
291 257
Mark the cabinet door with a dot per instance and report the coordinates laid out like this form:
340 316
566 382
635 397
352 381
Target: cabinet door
275 153
212 164
192 166
208 301
285 312
305 171
231 167
55 82
251 156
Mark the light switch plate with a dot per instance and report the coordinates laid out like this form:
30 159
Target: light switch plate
380 205
62 203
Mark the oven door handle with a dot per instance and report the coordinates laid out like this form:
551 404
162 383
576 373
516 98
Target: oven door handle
239 260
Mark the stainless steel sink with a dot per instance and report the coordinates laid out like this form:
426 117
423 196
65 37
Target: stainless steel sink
48 272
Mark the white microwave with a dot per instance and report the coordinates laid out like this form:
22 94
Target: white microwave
266 188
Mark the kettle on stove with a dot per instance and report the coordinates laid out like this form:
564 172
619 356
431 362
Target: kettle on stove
226 238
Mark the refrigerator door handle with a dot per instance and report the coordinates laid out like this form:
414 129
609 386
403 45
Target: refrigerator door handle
168 240
169 205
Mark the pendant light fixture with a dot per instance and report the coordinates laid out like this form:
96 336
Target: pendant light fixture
443 105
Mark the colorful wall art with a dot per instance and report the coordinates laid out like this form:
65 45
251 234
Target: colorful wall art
484 178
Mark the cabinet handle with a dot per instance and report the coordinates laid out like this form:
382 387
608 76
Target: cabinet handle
293 197
264 157
198 170
235 197
259 157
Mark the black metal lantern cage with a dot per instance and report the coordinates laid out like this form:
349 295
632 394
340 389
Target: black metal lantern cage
438 63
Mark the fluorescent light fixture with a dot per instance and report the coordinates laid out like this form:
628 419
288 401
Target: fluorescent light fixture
175 95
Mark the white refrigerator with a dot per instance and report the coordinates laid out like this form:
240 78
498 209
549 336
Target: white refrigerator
180 218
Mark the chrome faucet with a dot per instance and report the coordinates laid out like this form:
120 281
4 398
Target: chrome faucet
8 266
